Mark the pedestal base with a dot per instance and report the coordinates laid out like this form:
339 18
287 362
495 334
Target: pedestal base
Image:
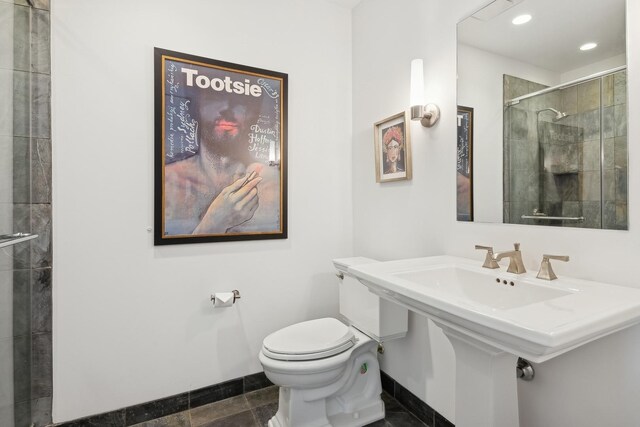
486 388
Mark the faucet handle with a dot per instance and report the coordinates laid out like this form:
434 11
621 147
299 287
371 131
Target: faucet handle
564 258
489 260
546 271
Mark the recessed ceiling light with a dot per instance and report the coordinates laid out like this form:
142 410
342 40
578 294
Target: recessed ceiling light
521 19
588 46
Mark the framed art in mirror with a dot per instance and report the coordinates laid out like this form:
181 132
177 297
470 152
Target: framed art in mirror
464 164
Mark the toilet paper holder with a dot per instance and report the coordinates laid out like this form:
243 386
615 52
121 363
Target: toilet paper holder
236 296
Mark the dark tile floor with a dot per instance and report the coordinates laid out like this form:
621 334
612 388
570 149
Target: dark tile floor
254 409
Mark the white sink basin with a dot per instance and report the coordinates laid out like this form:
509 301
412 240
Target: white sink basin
533 318
481 288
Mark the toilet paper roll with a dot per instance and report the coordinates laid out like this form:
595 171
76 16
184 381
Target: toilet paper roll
223 299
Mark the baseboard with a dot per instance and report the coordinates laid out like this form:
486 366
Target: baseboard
413 404
173 404
147 411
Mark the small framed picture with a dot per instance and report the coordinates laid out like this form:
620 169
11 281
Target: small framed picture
393 148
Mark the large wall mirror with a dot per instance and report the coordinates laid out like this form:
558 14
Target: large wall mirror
546 143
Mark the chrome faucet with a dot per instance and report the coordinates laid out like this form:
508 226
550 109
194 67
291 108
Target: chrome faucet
515 259
489 261
546 272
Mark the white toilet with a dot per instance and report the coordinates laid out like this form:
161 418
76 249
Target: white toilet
328 372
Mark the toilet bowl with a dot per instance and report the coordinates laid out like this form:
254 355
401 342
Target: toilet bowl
327 370
328 375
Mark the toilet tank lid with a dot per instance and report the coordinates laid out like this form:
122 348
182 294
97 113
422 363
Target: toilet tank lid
327 335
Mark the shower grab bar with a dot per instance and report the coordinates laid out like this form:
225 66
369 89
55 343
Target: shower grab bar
12 239
551 218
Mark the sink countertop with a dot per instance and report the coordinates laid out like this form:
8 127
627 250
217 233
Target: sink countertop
572 312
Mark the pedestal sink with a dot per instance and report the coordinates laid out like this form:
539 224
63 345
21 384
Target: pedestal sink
493 317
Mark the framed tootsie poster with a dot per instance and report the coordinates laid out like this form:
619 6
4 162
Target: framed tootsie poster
220 151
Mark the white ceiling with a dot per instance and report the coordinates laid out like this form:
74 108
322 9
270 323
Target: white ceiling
551 40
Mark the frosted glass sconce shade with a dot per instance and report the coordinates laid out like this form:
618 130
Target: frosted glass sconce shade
427 114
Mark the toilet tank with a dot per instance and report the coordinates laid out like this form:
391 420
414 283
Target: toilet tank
379 318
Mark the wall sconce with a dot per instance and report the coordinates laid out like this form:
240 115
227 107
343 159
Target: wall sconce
427 114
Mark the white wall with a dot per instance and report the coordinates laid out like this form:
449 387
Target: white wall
404 218
480 86
598 385
132 322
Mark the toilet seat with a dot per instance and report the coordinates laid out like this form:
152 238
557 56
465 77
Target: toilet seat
310 340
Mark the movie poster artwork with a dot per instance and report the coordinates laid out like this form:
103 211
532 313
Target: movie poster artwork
220 162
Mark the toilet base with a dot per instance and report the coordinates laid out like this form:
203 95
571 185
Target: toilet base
359 418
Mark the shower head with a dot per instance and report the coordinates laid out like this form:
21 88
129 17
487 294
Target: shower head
559 114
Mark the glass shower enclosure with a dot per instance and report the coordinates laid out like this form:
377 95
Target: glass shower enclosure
25 214
565 152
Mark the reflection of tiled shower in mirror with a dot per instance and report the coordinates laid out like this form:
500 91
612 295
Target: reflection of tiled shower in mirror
565 152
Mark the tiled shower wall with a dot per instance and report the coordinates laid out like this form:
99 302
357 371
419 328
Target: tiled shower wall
521 175
615 166
571 167
25 206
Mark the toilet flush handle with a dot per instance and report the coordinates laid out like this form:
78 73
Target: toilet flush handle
340 275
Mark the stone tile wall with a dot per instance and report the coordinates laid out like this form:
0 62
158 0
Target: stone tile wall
615 167
25 205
